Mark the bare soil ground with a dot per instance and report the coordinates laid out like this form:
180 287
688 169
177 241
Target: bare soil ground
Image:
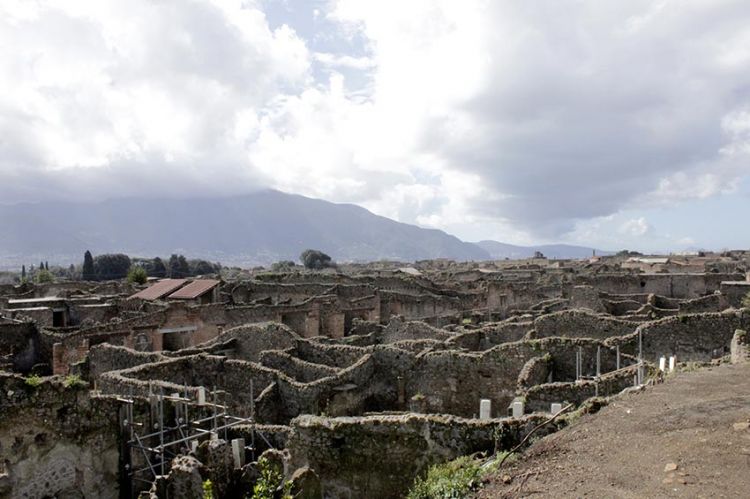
687 437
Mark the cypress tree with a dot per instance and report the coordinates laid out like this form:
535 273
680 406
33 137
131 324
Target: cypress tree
88 273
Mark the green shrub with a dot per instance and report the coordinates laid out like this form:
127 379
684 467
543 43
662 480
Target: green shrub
73 381
271 479
33 380
137 275
208 489
452 480
44 276
746 301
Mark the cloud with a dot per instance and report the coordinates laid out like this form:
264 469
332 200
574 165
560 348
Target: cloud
566 111
347 61
105 99
637 227
517 119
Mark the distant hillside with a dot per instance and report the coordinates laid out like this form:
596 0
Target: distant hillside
499 251
259 228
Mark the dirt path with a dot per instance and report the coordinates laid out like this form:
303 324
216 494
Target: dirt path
696 421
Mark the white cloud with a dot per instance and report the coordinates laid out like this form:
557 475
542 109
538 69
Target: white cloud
514 120
637 227
106 98
347 61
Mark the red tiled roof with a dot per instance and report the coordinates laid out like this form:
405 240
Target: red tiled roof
194 289
160 289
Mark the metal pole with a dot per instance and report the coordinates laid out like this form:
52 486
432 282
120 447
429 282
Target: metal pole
224 412
161 427
213 399
598 361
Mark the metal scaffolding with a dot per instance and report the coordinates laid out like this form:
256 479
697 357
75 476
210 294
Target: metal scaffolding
148 449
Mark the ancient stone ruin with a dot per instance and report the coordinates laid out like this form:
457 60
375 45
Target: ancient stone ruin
345 384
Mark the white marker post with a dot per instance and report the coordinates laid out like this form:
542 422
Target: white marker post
662 363
485 409
672 362
238 452
556 407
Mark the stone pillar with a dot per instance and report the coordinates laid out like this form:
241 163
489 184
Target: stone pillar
740 347
58 359
157 341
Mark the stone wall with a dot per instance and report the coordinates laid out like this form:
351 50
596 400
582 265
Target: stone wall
581 324
56 441
669 285
398 330
19 345
541 397
379 456
692 337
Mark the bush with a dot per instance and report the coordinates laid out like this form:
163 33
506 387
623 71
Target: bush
270 481
137 275
208 489
43 276
33 380
73 381
451 480
746 301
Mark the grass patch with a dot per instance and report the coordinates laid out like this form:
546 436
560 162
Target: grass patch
451 480
73 381
33 380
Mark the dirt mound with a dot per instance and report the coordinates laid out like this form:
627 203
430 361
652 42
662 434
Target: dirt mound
687 437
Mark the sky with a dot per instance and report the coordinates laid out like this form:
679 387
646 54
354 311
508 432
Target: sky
604 123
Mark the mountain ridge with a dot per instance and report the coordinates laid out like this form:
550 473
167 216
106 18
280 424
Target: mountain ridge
256 228
252 229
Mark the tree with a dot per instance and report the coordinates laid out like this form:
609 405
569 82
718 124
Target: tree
88 273
44 276
178 267
23 273
202 267
158 269
46 265
111 266
137 275
316 259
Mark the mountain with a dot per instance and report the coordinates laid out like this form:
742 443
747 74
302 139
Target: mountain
499 251
258 228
